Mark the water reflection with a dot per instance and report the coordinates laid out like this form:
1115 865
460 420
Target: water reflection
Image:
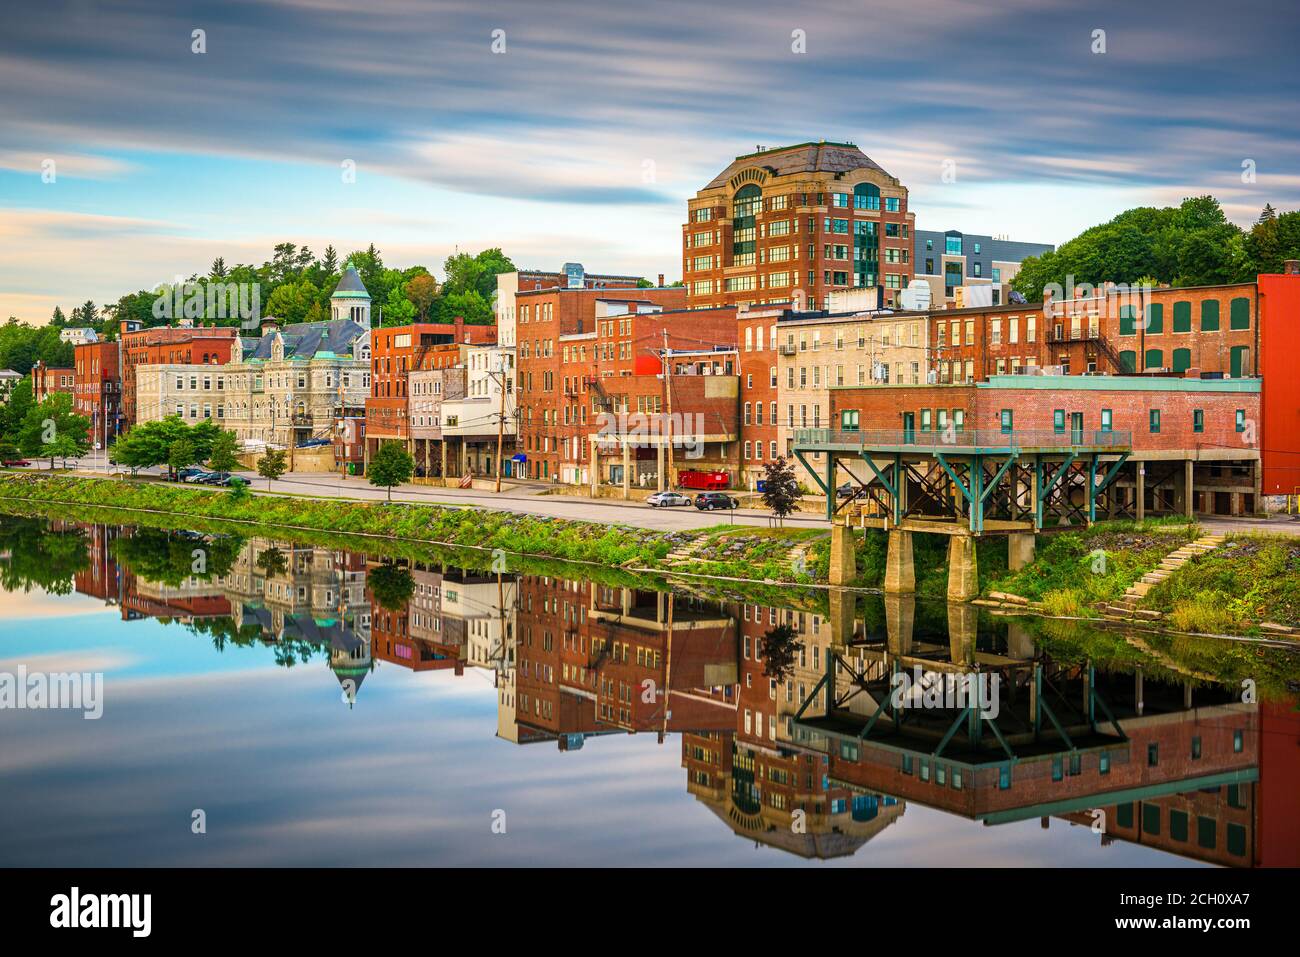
1130 738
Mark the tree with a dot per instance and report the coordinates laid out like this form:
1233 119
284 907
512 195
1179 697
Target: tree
272 465
225 448
51 429
390 585
181 455
421 291
780 488
392 465
780 649
58 320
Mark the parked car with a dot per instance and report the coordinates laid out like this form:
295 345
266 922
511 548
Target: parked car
667 499
707 501
16 463
189 474
313 443
847 490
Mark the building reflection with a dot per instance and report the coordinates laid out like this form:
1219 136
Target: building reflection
815 760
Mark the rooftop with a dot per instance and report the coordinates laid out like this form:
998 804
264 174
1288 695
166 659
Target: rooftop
801 158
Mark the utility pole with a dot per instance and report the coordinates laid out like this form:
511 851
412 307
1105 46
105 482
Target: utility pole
668 411
501 416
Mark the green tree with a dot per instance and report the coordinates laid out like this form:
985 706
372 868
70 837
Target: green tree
52 430
224 452
421 292
272 465
781 647
392 465
390 585
181 455
780 488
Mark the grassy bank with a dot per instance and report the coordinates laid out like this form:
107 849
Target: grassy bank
1072 571
740 551
1247 580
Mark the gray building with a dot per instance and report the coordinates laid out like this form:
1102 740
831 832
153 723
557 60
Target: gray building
953 259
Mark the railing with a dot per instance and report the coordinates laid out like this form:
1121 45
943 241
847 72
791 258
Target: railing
950 438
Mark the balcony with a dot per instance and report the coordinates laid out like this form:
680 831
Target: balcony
787 349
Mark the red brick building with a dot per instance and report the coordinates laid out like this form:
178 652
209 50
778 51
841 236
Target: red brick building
797 223
396 351
756 341
98 391
46 381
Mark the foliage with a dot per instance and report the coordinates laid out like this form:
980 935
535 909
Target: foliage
272 465
391 585
781 648
222 456
391 465
1247 579
52 430
780 489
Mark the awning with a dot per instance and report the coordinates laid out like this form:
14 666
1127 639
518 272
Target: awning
519 457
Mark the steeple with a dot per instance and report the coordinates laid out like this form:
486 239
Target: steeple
350 299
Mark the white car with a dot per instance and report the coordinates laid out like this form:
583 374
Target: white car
667 499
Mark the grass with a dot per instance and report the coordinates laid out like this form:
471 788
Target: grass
1250 578
739 551
1072 571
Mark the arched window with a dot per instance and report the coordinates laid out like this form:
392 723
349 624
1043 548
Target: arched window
866 196
744 233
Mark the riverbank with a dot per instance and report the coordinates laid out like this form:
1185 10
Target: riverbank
744 554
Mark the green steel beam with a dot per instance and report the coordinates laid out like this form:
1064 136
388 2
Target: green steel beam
943 743
811 696
1092 488
889 487
997 733
1051 715
965 492
1001 472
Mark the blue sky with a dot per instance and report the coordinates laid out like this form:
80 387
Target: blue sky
583 138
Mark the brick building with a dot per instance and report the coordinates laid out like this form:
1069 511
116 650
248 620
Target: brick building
797 223
396 351
571 276
97 393
46 381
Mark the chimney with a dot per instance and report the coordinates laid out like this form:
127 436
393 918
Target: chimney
661 280
269 325
1291 267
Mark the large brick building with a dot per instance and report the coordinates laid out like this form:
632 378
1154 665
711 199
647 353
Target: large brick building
97 393
797 223
184 344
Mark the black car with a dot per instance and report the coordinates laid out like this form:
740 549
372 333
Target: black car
711 500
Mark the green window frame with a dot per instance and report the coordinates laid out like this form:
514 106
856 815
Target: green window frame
1198 420
925 420
1178 825
1058 768
925 769
1106 417
1239 313
1004 778
1182 360
849 420
1241 427
1154 419
1151 819
1209 315
1238 741
1155 318
959 419
1124 815
1236 840
1103 763
907 764
1128 361
1207 835
1196 748
1154 359
1182 316
1127 323
1058 420
1007 420
1153 755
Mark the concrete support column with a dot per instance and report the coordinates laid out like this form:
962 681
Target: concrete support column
1020 550
843 564
962 620
1141 491
627 467
900 620
900 573
1137 692
842 617
963 581
1189 493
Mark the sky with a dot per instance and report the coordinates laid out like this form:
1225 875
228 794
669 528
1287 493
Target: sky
575 130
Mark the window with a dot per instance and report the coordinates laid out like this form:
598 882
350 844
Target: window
1155 421
1239 313
1182 360
1155 359
1182 317
952 245
1210 315
849 420
1198 420
1151 819
1006 419
1127 315
1105 420
1178 825
1241 423
1155 319
1196 748
1058 420
1153 755
1128 361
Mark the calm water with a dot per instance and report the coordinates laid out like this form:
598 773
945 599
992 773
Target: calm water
322 707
